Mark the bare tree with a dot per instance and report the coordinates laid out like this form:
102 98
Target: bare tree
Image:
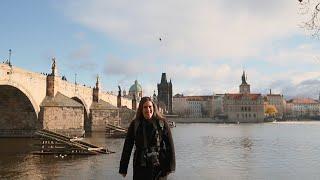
311 9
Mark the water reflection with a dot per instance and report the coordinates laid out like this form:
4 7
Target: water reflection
203 151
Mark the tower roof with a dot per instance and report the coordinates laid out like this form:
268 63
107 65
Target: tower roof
164 78
244 78
136 87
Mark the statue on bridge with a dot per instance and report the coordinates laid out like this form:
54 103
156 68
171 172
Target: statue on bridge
53 66
119 92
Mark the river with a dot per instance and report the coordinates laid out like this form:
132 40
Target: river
288 150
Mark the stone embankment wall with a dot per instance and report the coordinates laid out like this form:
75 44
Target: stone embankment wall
126 116
192 120
60 119
100 118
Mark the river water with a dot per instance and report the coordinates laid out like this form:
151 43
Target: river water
203 151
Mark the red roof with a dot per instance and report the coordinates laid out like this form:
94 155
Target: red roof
304 101
273 94
240 96
198 98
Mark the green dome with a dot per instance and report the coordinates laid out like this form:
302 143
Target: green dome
136 87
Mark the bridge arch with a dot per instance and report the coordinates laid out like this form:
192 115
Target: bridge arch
18 117
86 113
25 91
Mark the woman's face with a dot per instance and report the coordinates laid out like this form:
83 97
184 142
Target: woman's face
147 110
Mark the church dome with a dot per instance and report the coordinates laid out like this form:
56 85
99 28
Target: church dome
136 87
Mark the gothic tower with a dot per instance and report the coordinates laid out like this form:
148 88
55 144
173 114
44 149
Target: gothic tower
165 93
244 87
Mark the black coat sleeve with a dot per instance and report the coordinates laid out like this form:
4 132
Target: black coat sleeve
127 149
170 147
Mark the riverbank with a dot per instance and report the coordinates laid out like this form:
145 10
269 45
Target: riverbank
193 120
211 120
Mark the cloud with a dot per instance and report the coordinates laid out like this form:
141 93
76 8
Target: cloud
79 35
205 44
196 28
307 88
115 66
298 84
82 53
300 56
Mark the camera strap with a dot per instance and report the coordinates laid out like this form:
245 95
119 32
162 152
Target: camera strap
145 141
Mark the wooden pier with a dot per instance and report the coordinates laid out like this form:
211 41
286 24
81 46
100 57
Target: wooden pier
115 131
54 143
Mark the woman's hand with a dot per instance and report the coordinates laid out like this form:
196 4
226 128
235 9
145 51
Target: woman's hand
123 175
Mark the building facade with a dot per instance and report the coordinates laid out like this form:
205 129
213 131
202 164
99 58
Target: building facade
243 107
278 102
193 106
218 104
304 108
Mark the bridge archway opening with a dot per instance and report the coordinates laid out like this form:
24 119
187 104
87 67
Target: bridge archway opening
86 117
17 114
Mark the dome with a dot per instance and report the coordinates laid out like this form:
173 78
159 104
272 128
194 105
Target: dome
136 87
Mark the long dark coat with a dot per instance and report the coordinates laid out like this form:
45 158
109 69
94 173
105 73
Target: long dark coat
136 138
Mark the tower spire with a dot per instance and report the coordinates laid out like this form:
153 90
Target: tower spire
10 51
244 78
97 81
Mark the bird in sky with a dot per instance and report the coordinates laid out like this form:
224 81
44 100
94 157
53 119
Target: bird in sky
160 39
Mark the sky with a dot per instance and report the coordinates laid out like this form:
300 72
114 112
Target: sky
205 45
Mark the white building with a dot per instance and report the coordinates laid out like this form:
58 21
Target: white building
218 104
193 106
304 107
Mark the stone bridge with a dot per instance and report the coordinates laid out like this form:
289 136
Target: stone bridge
22 96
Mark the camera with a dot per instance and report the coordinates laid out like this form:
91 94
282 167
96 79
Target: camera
152 157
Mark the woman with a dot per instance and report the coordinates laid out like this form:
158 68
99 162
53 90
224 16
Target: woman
154 156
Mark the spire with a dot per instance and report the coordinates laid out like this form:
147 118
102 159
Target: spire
9 60
163 78
95 91
244 78
97 82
